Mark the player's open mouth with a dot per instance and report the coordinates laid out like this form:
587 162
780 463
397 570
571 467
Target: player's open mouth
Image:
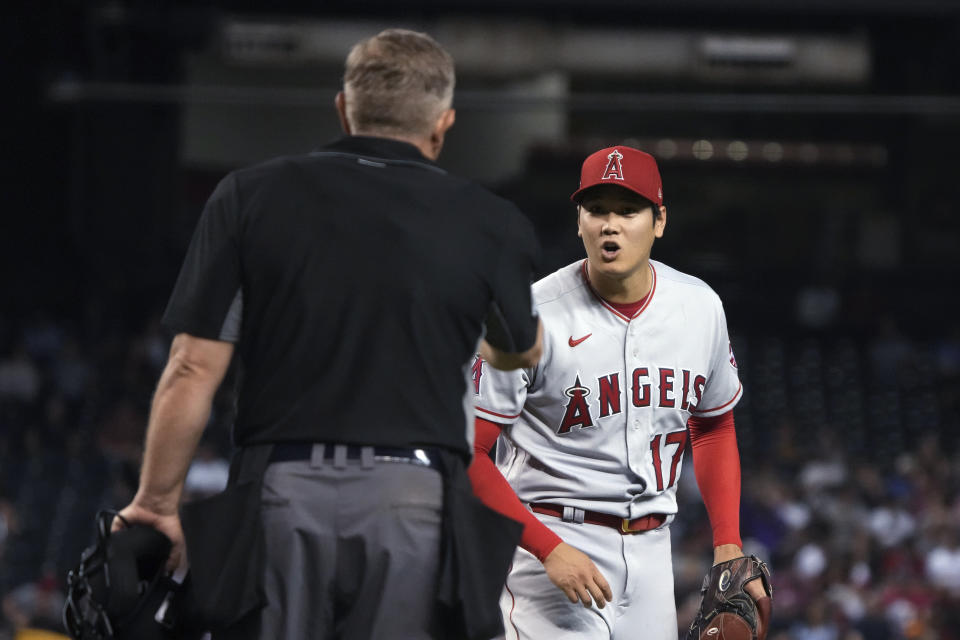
609 250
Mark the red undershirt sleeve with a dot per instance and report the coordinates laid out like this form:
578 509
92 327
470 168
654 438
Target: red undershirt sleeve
494 491
716 464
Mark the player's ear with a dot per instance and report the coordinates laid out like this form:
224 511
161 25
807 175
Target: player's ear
660 222
579 229
340 102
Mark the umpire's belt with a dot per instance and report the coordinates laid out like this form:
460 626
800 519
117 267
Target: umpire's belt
623 525
342 454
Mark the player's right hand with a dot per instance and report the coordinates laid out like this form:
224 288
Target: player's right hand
575 574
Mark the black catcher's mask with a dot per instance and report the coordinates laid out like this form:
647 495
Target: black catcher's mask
120 590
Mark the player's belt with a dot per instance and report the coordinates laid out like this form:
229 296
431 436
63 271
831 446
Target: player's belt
335 453
623 525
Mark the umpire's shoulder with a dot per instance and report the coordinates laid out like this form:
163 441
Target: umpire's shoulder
247 181
495 217
496 209
266 171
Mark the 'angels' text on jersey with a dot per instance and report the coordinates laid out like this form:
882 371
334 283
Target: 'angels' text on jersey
609 394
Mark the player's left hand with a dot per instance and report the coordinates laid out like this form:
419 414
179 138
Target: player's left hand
166 523
728 604
726 552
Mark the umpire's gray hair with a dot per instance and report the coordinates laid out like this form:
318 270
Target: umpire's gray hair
398 82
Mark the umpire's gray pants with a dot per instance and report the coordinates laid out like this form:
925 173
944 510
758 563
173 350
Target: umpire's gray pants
352 549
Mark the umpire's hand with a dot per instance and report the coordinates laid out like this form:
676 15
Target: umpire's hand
576 575
166 523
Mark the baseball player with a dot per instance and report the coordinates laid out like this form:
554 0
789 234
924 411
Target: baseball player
591 440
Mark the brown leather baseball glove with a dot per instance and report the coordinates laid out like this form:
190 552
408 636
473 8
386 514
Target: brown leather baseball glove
723 595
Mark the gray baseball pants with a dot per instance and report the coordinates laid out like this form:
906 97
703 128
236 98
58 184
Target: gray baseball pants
352 549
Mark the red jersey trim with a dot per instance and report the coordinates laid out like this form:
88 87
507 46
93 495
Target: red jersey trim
613 310
494 413
725 404
513 604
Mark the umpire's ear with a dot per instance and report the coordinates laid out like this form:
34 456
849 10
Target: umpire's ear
443 124
341 104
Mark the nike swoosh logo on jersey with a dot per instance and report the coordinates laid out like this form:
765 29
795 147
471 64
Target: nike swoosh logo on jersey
574 343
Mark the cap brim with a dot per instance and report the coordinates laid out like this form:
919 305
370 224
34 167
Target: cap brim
578 195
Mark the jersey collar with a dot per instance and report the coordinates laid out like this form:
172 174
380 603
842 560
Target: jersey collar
379 147
611 308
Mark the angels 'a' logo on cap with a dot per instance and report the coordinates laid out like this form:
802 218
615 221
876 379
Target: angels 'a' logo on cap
614 170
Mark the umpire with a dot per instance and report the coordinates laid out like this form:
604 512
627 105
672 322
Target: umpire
353 284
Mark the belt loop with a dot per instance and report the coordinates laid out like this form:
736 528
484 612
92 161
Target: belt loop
340 456
573 514
366 457
316 455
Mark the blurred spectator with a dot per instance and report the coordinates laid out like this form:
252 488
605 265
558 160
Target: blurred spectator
848 600
792 510
816 624
891 524
942 566
36 604
760 505
810 561
826 471
19 376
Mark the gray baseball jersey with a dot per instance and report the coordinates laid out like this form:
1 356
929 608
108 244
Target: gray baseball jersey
600 422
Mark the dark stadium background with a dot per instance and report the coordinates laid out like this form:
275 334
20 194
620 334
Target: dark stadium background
809 157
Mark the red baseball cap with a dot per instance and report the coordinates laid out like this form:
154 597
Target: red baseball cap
625 167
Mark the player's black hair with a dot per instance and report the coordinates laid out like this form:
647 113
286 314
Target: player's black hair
641 201
648 203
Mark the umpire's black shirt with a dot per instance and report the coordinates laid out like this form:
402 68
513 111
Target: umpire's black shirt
355 281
